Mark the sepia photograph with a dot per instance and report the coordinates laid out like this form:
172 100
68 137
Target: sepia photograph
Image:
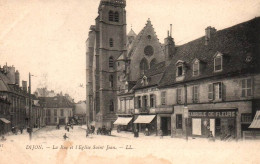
129 81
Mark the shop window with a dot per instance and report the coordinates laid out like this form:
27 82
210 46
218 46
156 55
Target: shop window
246 87
179 96
111 81
218 63
163 98
111 16
195 96
111 62
111 42
116 17
178 121
111 106
246 118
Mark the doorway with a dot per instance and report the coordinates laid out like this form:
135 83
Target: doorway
166 125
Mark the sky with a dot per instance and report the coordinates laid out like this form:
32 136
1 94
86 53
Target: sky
47 37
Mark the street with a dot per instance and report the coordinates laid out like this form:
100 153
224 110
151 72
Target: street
48 146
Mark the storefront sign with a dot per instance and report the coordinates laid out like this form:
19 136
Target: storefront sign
212 114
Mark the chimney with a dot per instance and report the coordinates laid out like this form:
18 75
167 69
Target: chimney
24 85
11 74
209 31
17 78
170 30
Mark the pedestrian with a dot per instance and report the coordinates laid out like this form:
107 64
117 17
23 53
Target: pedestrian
211 137
65 136
161 133
21 130
68 129
86 133
3 138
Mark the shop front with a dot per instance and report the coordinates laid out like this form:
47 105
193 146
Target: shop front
124 123
146 124
219 123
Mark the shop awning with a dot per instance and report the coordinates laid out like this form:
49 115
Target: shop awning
144 119
256 122
123 120
5 120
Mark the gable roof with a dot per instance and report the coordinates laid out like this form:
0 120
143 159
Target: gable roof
235 43
138 38
55 102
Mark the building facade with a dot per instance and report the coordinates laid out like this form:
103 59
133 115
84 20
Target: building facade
58 110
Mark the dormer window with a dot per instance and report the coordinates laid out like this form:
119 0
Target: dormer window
218 62
196 67
180 70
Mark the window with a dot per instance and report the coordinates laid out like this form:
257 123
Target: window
218 64
152 101
111 81
111 106
111 42
210 91
139 105
179 96
152 63
178 121
116 17
215 91
145 104
163 98
195 94
246 118
61 112
246 87
196 68
55 112
179 71
111 62
111 16
143 66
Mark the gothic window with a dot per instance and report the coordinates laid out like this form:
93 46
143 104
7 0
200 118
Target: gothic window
143 65
152 63
111 16
111 62
111 106
116 17
148 51
111 42
111 81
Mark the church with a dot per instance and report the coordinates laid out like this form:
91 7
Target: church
116 60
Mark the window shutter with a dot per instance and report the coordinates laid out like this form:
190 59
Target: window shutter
154 100
210 91
136 102
193 94
220 90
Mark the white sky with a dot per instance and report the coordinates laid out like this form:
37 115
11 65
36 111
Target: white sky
47 37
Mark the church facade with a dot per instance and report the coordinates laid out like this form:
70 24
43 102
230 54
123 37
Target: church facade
116 60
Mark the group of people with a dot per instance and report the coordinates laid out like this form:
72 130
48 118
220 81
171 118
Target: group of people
15 130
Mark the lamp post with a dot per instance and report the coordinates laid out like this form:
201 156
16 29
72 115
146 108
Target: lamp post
30 109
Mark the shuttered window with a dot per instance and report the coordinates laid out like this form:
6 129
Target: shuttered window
246 87
195 93
163 98
210 91
179 96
